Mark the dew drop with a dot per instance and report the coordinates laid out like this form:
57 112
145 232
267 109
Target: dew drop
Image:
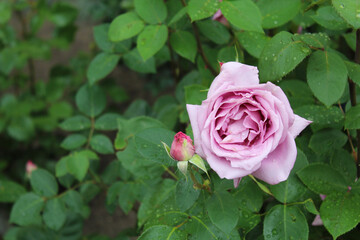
342 6
274 232
275 22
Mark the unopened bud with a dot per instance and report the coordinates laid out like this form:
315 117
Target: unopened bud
30 167
182 148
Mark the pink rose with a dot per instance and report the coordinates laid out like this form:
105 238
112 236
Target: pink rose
218 16
30 167
182 148
244 127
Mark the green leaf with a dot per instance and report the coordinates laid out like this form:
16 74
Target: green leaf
90 100
327 17
248 220
228 54
75 203
292 189
352 118
77 165
107 122
283 222
343 161
125 26
179 15
184 44
350 39
152 11
327 76
162 232
310 206
297 92
26 210
101 38
101 144
326 140
8 60
349 10
134 61
101 66
60 110
264 188
73 141
215 31
155 199
242 14
185 194
43 183
200 9
248 195
195 94
151 40
148 143
5 11
353 71
315 40
75 123
199 162
321 116
54 214
222 210
10 191
322 179
21 128
128 128
253 42
127 196
63 14
280 56
277 12
340 212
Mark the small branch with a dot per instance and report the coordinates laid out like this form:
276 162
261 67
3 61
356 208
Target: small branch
174 66
199 46
348 134
170 172
352 88
91 133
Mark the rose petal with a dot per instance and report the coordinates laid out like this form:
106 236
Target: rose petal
298 125
234 74
223 168
236 182
278 164
317 221
197 115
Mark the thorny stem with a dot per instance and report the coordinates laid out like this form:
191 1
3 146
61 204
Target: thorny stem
199 46
352 88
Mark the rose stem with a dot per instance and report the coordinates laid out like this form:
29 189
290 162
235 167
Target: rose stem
352 88
200 49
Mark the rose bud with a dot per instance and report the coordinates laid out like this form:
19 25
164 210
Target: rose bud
218 16
182 148
30 167
246 127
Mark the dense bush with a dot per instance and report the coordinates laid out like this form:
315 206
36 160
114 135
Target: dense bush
84 142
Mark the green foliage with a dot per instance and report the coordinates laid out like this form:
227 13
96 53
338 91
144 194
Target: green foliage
326 74
243 14
95 132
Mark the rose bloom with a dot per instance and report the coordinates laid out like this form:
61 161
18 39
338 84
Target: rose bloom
244 127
